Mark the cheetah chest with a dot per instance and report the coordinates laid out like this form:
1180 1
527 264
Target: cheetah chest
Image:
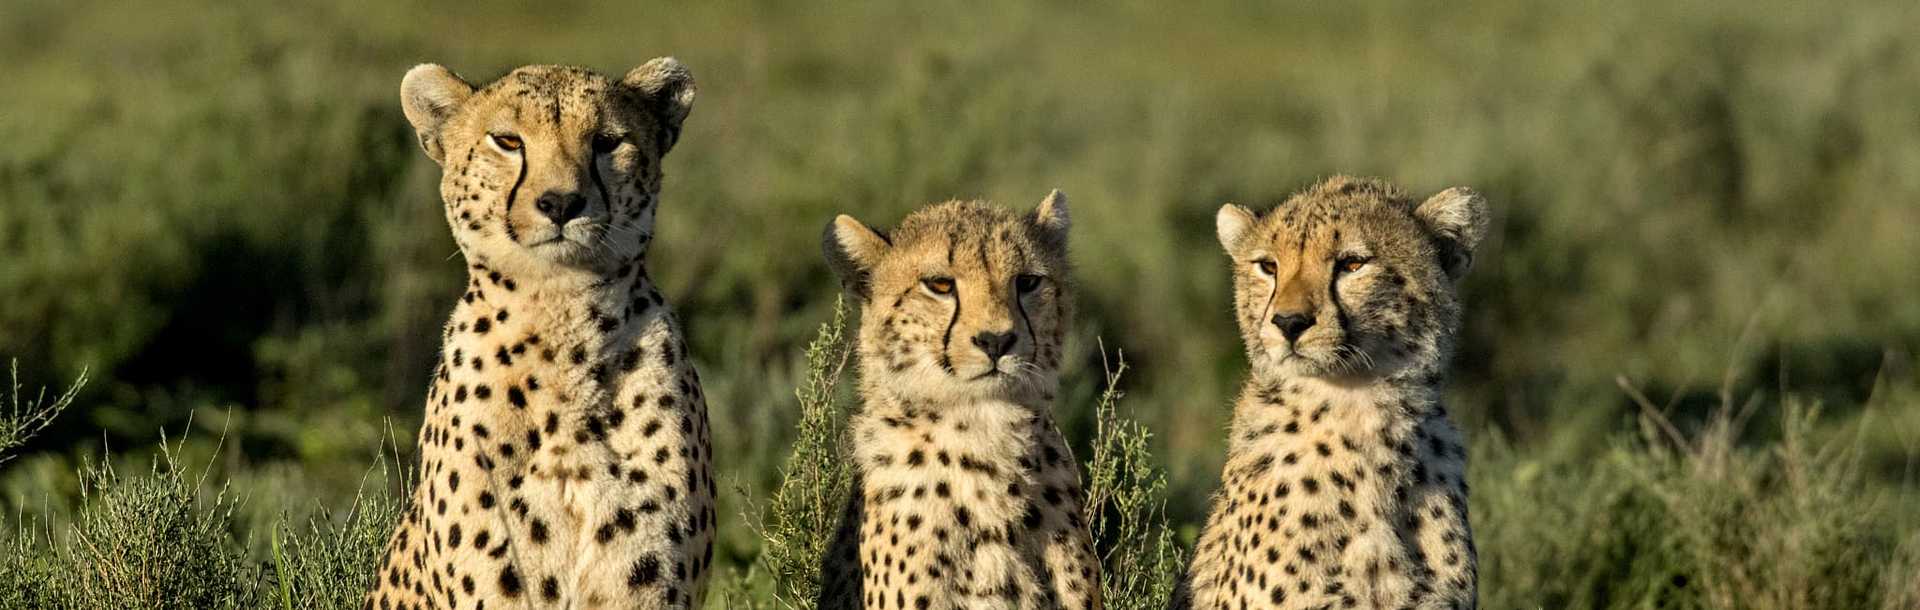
975 507
575 463
1307 504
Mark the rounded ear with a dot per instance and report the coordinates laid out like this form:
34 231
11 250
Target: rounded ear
852 250
1457 218
668 90
1232 223
1052 219
429 93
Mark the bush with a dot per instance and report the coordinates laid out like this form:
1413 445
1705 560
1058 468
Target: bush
1667 519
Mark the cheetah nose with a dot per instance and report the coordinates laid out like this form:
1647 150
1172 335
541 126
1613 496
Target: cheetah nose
994 344
560 207
1292 325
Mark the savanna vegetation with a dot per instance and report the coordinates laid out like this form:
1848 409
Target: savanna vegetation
1687 369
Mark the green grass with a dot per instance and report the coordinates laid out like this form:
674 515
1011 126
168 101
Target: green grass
218 211
1660 518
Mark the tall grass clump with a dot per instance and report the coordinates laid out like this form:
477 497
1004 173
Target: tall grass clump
149 542
328 562
169 538
1126 508
1672 518
797 524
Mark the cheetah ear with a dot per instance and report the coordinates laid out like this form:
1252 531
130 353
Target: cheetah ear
852 250
1052 219
1231 223
429 94
667 86
1457 218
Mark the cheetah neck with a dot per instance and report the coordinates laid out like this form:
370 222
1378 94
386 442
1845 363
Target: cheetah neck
963 452
572 334
979 434
1290 406
1326 440
568 304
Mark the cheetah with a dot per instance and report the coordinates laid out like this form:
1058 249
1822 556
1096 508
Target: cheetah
1345 484
965 493
565 460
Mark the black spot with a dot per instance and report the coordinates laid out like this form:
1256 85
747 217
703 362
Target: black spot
645 572
509 582
624 519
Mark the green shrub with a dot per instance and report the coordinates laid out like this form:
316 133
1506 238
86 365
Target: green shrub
1668 519
798 521
1126 508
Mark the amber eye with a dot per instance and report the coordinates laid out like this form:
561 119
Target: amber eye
1026 282
1351 264
603 143
938 285
1267 267
507 142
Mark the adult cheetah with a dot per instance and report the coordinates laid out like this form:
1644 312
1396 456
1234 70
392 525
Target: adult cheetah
1345 485
564 453
966 495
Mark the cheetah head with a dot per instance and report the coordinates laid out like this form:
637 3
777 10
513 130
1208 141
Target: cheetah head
963 299
550 167
1351 279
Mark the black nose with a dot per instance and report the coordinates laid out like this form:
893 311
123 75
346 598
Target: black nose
994 344
1292 325
560 207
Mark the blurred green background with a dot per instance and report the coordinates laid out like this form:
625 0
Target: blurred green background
218 209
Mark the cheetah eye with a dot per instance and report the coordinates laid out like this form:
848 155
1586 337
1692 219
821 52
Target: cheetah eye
1350 264
603 143
1267 267
938 285
507 142
1026 282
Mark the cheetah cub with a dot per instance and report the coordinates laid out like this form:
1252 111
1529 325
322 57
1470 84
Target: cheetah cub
1345 485
965 494
564 453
